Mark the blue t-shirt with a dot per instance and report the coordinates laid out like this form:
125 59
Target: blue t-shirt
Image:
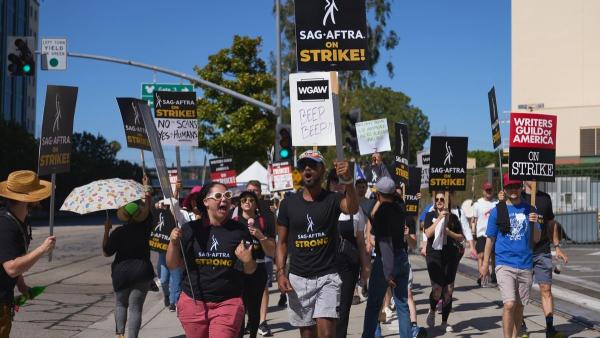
425 211
513 249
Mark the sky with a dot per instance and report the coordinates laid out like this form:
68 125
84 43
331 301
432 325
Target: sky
449 55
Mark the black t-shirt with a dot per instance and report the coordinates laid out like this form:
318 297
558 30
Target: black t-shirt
266 227
454 226
215 271
14 241
312 232
543 204
388 221
130 245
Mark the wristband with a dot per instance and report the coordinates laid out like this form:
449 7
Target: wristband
341 180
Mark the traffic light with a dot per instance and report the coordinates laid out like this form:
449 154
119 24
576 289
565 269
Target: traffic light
283 143
21 59
351 139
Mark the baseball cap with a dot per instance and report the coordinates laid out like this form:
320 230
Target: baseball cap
385 185
313 155
508 181
487 186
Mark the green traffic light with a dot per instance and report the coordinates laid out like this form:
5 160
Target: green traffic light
284 153
26 68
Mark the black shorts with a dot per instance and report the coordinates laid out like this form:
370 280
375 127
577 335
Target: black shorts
480 244
443 264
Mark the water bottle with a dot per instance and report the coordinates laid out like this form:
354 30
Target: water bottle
33 293
378 331
558 266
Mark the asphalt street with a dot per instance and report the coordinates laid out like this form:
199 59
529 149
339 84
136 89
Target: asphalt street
79 299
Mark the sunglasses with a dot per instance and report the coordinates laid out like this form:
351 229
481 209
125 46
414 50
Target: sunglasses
311 164
440 199
219 195
247 200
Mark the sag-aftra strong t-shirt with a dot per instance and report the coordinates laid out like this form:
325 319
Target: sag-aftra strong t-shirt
312 232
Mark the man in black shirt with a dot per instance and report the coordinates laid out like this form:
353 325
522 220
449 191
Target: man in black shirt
390 267
308 223
542 257
21 189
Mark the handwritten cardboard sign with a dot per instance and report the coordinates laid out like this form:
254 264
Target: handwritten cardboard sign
373 136
311 109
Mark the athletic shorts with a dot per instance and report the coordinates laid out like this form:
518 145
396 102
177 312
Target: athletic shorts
514 284
542 268
315 297
480 244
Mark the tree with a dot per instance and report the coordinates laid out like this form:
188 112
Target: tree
19 150
380 38
383 102
227 125
484 158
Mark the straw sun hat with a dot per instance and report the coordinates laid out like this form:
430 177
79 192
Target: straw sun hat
25 186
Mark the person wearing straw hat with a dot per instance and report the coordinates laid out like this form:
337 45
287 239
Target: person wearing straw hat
20 190
132 270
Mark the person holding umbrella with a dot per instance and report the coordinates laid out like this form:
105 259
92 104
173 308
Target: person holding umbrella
132 269
22 189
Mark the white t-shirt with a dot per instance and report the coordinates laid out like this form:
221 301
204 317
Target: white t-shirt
463 222
481 211
359 221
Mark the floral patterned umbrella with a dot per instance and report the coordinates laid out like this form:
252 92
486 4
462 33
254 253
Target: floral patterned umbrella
103 195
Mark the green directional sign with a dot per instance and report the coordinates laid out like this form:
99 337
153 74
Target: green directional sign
149 88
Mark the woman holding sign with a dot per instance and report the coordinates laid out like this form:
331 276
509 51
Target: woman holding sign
444 250
218 251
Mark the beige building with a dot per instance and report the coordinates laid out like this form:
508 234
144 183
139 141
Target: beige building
556 70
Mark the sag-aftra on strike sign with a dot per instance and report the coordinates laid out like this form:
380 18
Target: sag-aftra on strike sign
331 35
532 153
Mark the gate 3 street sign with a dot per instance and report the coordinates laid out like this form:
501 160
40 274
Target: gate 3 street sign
54 54
149 88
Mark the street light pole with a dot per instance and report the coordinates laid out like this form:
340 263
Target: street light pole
278 61
193 79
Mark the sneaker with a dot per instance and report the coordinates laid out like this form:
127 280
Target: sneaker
552 333
447 328
523 333
172 308
430 318
264 330
355 300
389 313
282 300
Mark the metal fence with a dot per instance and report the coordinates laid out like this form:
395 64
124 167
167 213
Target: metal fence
576 201
575 197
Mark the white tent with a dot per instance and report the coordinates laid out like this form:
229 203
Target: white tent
254 172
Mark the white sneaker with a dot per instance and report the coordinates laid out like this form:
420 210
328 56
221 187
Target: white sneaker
447 327
388 314
430 318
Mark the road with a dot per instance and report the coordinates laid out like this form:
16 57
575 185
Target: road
79 300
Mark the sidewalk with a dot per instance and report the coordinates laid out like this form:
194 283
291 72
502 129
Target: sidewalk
477 312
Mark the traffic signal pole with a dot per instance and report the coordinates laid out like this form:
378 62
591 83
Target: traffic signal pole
184 76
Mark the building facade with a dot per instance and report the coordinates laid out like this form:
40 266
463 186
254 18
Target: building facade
556 70
18 94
